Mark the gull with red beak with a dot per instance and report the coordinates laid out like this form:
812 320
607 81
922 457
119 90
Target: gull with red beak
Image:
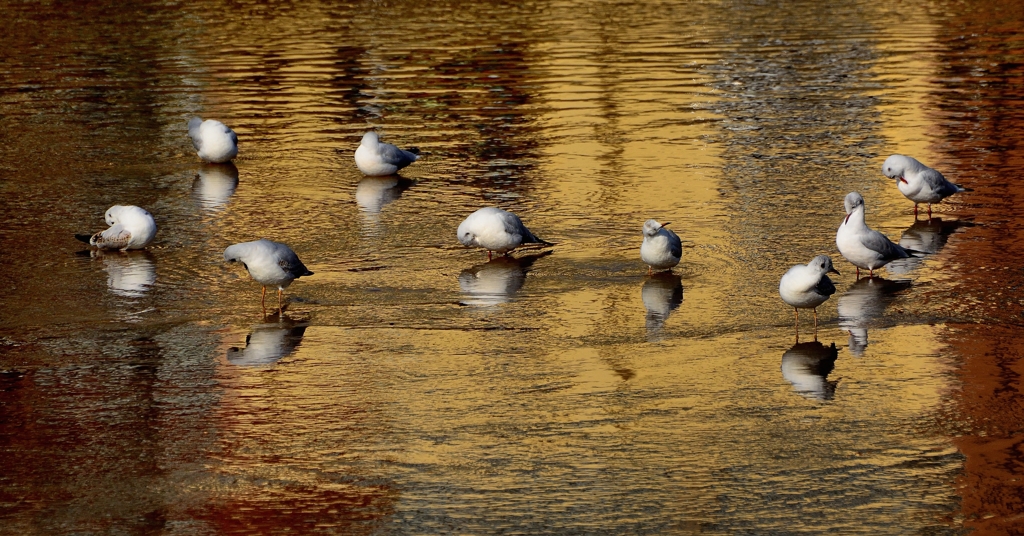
862 246
918 182
661 249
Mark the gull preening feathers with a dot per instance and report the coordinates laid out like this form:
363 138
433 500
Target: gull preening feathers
496 230
375 158
806 286
661 249
131 227
269 263
918 182
862 246
213 140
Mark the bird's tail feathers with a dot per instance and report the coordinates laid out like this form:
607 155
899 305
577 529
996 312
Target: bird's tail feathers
963 189
915 253
537 240
414 150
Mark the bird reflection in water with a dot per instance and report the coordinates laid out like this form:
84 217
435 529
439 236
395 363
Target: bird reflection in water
214 185
662 293
269 342
496 281
862 306
927 236
130 274
373 193
807 365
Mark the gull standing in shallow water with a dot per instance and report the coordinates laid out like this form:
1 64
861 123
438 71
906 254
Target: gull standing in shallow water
375 158
213 140
661 249
131 227
269 263
863 247
496 230
806 286
918 182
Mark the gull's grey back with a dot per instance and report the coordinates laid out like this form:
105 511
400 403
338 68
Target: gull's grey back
514 225
289 261
395 156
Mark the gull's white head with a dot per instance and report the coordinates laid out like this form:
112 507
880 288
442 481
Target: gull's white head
853 202
823 264
370 139
651 227
467 237
897 165
112 214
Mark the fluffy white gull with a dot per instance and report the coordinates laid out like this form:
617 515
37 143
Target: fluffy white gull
918 182
863 247
213 140
376 158
269 263
131 227
806 286
496 231
661 249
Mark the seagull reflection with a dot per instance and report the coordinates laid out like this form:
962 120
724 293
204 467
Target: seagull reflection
268 343
130 274
214 185
662 293
495 281
372 193
928 236
863 304
807 365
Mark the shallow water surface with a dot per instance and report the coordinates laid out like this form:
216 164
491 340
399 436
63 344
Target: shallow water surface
411 386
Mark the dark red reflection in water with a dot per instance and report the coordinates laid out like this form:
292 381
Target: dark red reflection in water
302 510
981 75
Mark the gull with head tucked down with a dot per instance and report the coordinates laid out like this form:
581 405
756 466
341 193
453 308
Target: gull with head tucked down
131 227
269 263
213 140
496 230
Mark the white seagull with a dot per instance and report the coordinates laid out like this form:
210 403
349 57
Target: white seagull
375 158
806 286
918 182
131 227
213 140
496 230
269 263
661 249
863 247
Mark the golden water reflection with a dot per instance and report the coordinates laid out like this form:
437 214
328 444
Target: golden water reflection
411 386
